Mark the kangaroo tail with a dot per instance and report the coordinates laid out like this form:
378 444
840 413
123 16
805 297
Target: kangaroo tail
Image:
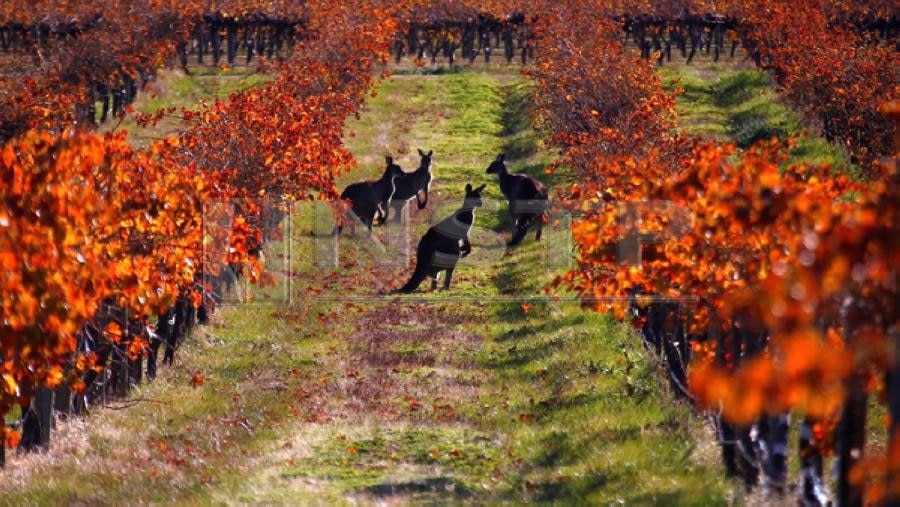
414 282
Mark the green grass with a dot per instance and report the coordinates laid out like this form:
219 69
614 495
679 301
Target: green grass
555 404
466 398
187 90
201 427
742 105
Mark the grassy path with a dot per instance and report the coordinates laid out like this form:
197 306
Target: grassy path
733 102
469 398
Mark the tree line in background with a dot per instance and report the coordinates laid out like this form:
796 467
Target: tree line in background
62 59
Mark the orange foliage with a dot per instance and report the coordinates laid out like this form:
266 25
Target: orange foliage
595 107
828 70
87 218
11 438
799 262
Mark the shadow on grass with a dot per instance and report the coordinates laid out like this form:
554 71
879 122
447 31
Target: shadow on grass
517 109
430 485
512 312
520 140
430 70
735 89
565 487
515 357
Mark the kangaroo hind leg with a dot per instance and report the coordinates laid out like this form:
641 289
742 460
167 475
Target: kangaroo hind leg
519 230
516 222
449 275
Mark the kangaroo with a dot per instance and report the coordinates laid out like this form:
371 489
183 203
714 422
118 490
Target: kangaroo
414 184
370 199
527 199
445 243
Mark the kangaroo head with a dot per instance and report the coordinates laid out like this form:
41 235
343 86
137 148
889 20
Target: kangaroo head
392 170
497 166
426 158
473 196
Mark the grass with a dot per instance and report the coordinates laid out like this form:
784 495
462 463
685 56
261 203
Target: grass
458 396
741 105
484 399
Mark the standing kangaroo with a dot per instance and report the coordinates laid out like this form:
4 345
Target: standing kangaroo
445 243
370 199
527 199
414 184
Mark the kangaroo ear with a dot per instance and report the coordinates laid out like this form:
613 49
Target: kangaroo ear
468 188
501 157
480 189
430 152
389 159
421 153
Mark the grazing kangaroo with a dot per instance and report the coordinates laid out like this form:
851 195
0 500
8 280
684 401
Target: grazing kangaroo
527 199
445 243
370 199
414 184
